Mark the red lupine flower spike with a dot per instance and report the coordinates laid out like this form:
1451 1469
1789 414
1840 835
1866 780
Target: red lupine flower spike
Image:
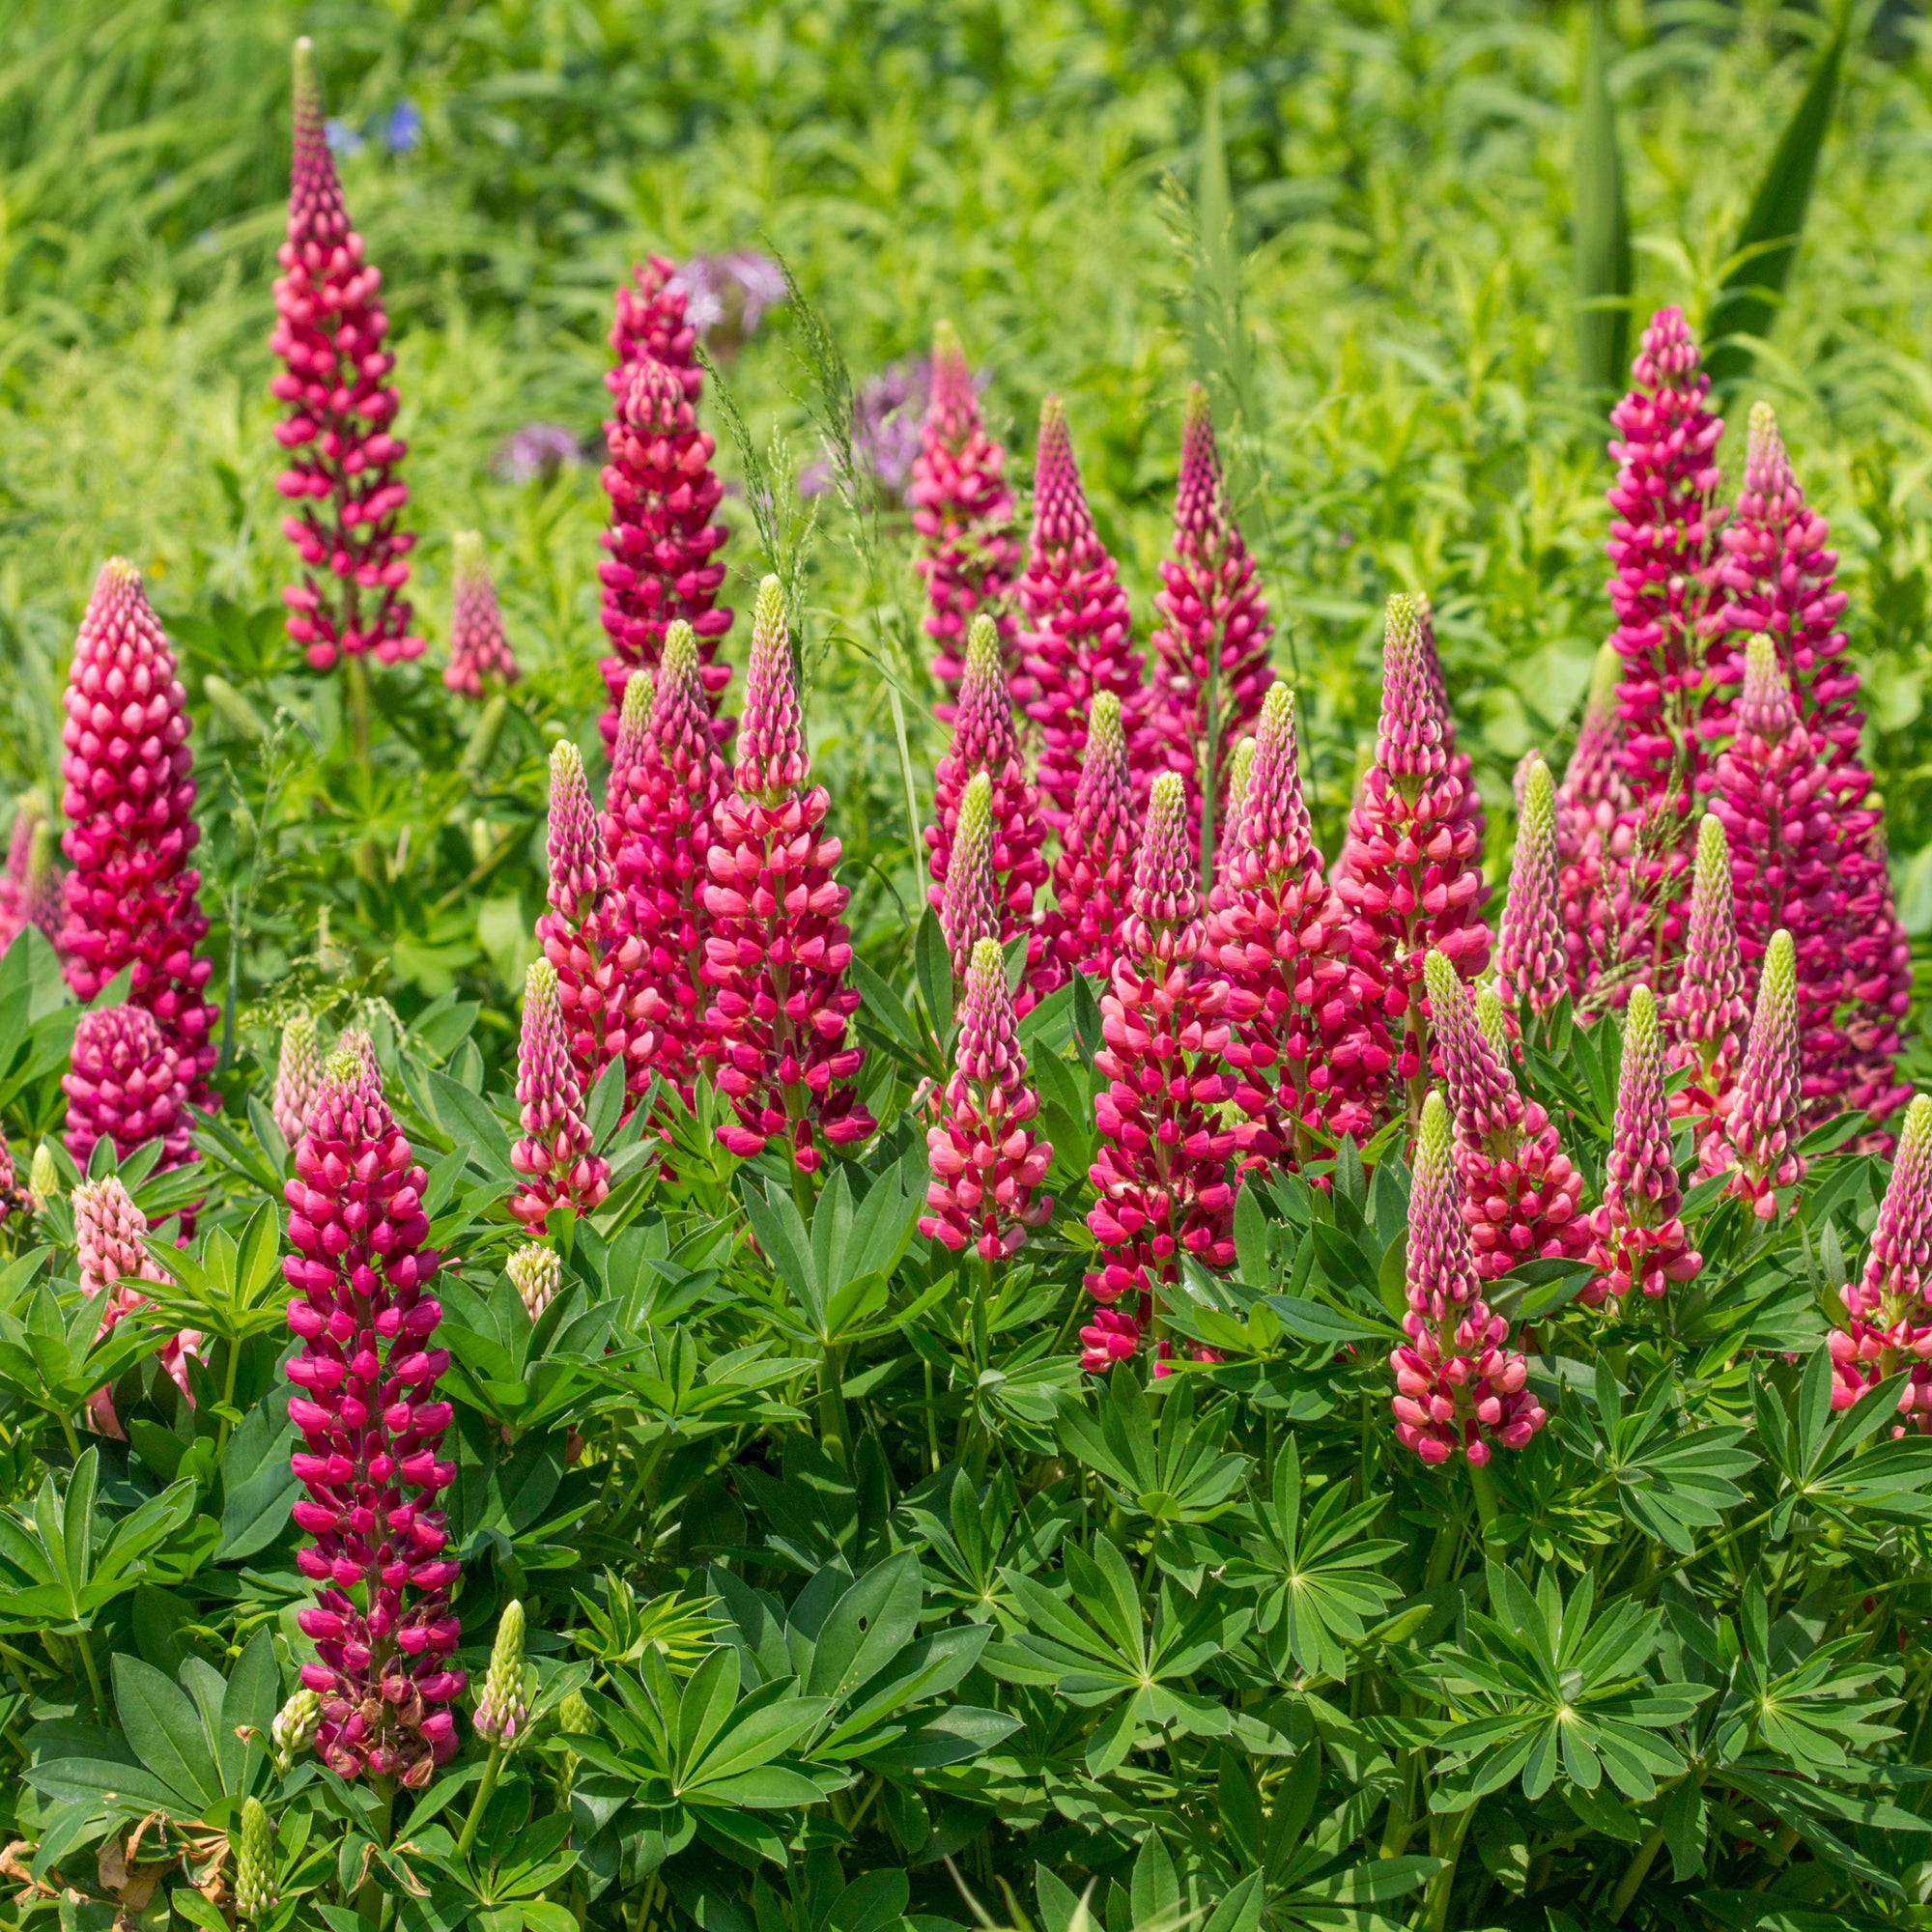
1307 1054
329 327
1757 1141
1520 1194
129 806
1160 1174
666 781
1530 959
1459 1383
30 887
985 739
1638 1236
1888 1309
1409 871
478 650
1092 874
1076 640
965 513
1216 623
663 541
112 1256
1595 835
777 949
124 1080
555 1153
988 1161
651 322
603 981
1459 765
372 1425
1706 1017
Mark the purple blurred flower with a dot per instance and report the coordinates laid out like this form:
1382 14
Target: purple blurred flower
537 449
729 292
402 127
343 140
886 416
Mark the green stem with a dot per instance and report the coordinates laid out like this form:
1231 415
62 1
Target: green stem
86 1643
356 673
372 1898
1635 1874
228 1374
474 1824
1485 1487
72 1440
835 1430
1209 776
1442 1886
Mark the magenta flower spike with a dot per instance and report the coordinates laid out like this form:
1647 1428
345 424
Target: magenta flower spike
1706 1017
652 321
1756 1143
1307 1051
1160 1174
1410 870
479 652
1076 640
30 887
124 1080
603 987
556 1157
346 498
1094 865
1459 1383
665 785
372 1425
112 1256
1214 620
297 1078
777 949
663 541
964 515
985 739
129 806
1595 835
1530 959
1461 766
987 1160
1520 1194
1637 1238
969 909
1888 1325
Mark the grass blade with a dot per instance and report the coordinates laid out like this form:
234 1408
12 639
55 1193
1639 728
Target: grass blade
1602 239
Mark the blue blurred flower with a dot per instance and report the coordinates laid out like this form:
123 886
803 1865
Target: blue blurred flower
343 140
402 131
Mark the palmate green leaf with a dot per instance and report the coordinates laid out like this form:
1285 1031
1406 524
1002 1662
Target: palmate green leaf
1822 1460
1310 1578
1165 1464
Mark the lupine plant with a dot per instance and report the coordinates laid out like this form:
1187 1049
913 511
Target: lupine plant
1167 1387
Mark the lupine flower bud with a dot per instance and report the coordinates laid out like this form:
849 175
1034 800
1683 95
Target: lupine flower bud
1530 959
30 887
1234 807
371 1423
1662 547
357 1044
537 1272
1092 873
112 1256
1888 1309
129 799
1493 1023
777 949
1409 871
987 1162
1458 764
1595 835
963 513
255 1894
555 1152
500 1711
1757 1142
478 649
1214 620
1637 1235
294 1726
43 1179
345 497
1519 1192
126 1081
601 971
969 907
1459 1384
667 780
1076 640
1307 1053
1706 1017
1160 1174
985 739
298 1077
664 497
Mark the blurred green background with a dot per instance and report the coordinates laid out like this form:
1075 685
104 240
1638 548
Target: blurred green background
1404 182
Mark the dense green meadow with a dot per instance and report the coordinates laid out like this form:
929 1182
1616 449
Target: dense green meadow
1403 185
